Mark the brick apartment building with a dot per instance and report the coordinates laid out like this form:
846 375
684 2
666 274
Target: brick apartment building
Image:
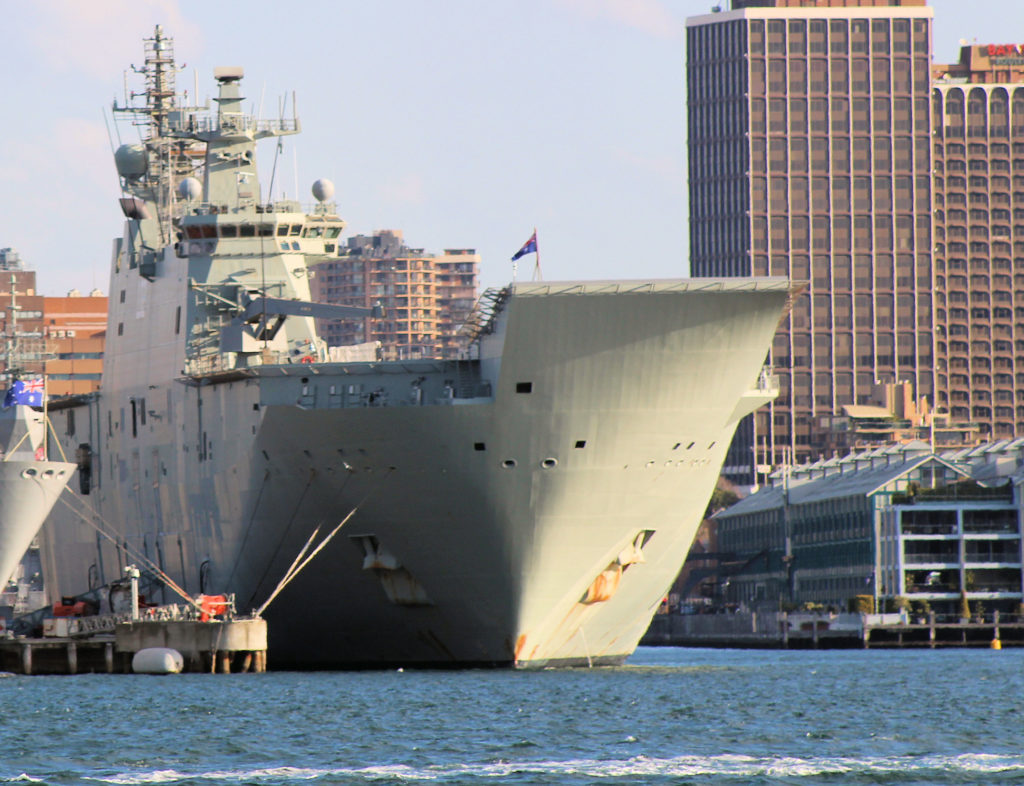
61 337
426 297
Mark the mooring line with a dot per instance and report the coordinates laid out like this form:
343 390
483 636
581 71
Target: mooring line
294 570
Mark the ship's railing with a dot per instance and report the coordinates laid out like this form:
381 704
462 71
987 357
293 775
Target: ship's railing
247 123
482 318
216 362
219 362
466 390
83 627
325 209
462 387
767 381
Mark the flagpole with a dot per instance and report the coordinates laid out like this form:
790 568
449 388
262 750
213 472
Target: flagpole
529 247
46 420
537 276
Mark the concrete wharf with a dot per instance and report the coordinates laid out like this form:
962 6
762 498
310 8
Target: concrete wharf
222 647
58 655
811 630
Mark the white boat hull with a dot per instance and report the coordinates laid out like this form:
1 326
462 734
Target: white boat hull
28 491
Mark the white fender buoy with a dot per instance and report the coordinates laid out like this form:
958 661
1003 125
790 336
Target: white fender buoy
157 660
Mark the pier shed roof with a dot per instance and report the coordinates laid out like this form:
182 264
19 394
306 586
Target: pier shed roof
853 476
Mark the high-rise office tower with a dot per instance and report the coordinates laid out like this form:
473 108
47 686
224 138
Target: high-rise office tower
978 107
810 157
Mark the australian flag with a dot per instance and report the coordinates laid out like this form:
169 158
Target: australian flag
25 391
529 247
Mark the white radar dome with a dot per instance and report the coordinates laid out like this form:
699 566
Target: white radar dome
130 161
323 189
189 188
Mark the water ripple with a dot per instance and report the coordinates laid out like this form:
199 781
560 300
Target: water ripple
945 767
671 717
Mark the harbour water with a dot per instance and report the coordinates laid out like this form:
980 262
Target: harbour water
670 716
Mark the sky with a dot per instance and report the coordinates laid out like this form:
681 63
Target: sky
462 123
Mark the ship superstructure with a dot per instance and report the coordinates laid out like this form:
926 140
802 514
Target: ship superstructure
527 505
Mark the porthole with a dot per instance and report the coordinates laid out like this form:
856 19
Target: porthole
549 463
509 464
29 473
48 473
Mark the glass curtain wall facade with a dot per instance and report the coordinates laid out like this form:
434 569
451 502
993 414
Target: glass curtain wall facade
810 157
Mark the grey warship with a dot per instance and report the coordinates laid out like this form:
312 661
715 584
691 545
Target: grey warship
524 507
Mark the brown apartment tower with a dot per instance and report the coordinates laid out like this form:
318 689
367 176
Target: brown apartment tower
810 156
978 107
426 297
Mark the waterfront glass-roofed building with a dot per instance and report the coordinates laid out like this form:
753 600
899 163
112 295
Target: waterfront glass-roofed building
894 523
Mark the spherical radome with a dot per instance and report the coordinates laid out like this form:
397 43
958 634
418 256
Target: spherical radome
323 189
130 161
190 188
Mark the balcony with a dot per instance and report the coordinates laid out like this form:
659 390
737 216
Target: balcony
939 559
932 591
926 527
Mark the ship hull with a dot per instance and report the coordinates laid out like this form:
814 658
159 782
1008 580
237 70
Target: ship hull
28 491
538 523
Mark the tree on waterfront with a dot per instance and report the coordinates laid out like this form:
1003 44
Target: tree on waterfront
724 496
